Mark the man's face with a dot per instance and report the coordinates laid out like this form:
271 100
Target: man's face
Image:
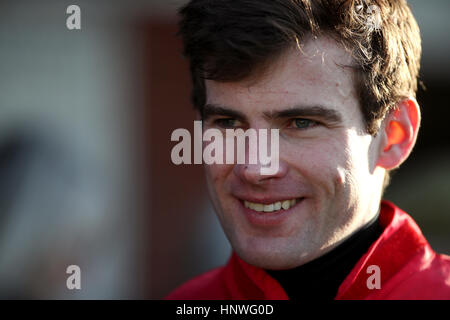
327 171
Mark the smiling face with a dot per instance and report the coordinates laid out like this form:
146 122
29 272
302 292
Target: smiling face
327 185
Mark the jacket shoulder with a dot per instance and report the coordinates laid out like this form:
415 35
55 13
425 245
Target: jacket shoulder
433 281
207 286
428 280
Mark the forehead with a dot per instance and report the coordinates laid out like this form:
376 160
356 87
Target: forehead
318 73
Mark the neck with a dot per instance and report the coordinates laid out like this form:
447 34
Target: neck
322 277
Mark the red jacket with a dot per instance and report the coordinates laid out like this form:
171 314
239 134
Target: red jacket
409 269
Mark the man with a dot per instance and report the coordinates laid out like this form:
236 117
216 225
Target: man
338 79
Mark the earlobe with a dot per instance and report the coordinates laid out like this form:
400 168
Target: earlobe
399 134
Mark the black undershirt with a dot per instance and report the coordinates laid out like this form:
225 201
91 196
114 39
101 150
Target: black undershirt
321 278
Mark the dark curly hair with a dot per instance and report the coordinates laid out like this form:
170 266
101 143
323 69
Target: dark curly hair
229 40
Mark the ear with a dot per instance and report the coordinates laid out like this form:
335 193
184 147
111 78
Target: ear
399 134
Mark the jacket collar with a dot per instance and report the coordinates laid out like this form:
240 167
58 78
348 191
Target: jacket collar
400 241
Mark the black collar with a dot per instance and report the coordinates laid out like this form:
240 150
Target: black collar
321 278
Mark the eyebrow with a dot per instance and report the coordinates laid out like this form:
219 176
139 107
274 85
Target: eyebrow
217 110
322 112
325 113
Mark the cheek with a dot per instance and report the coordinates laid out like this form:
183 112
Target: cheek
215 183
356 171
321 162
333 171
216 175
342 176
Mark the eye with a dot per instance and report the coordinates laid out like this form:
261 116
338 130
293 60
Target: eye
300 123
226 123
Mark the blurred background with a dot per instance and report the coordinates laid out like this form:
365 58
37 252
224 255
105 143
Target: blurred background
85 171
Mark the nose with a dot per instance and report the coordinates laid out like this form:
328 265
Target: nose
251 173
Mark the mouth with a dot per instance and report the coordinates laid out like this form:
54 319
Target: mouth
270 214
272 207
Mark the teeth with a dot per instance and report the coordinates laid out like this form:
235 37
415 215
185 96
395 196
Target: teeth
286 204
258 207
277 205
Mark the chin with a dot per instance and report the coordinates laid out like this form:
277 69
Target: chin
269 256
